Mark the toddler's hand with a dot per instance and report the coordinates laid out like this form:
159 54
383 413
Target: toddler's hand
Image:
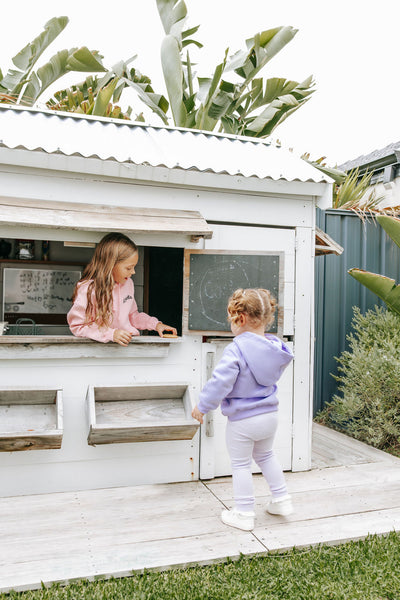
122 337
160 328
196 414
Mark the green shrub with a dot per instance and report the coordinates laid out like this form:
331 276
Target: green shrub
369 381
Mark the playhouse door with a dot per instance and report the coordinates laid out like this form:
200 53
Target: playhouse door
214 459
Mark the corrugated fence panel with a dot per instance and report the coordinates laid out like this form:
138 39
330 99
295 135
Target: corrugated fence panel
366 246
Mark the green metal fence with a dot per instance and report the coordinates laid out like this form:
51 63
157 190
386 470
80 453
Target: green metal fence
366 246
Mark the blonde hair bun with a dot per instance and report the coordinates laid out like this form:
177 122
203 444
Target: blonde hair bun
257 303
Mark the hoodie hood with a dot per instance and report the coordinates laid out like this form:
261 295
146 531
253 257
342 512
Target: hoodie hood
266 356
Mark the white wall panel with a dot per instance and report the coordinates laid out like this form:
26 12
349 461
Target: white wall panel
79 466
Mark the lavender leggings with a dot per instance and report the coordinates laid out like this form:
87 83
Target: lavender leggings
253 438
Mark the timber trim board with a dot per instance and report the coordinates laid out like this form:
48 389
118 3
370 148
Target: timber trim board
324 244
102 218
67 347
70 339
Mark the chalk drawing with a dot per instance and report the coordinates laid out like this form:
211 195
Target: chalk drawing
213 278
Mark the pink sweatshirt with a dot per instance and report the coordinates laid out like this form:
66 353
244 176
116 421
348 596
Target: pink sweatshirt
125 314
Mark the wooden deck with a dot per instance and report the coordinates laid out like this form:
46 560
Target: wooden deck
351 491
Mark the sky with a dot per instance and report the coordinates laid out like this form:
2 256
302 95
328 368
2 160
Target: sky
349 46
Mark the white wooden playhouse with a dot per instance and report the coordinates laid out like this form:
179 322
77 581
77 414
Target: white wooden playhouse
209 213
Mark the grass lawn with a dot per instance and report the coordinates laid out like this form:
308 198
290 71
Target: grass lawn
365 570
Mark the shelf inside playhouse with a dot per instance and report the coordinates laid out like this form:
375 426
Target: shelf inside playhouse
30 419
140 413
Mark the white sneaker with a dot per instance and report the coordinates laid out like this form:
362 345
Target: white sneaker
236 518
281 506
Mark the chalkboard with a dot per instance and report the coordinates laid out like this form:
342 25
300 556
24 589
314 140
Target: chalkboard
38 292
213 276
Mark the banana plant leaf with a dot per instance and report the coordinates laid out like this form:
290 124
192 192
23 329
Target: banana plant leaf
260 50
278 87
186 40
382 286
392 227
208 90
75 59
157 102
277 111
172 14
28 56
121 67
82 59
173 76
230 98
282 96
46 75
188 74
103 98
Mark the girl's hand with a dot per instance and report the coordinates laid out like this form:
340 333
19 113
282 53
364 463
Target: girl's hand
160 328
196 414
122 337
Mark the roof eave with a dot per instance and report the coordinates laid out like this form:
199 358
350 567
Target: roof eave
26 159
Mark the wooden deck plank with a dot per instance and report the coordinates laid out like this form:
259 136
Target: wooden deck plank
329 530
322 479
112 532
120 562
331 502
331 448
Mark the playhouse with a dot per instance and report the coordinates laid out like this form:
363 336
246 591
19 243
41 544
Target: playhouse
210 213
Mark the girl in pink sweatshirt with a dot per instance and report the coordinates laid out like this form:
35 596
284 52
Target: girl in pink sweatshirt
104 307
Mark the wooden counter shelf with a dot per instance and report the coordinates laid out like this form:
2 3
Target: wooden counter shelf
140 413
30 419
15 347
71 339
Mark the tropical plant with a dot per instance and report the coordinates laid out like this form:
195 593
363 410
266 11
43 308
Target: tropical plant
89 98
23 85
216 103
354 193
382 286
350 190
336 174
93 96
247 105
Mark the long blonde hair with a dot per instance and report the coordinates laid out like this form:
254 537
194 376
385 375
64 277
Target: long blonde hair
257 303
112 249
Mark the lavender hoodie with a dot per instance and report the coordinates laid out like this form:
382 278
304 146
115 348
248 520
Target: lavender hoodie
125 314
244 381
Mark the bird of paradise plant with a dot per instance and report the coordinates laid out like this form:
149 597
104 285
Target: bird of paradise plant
384 287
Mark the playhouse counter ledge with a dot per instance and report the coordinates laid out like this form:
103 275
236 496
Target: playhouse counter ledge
68 346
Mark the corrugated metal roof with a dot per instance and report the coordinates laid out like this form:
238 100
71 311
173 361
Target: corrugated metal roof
126 141
376 155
